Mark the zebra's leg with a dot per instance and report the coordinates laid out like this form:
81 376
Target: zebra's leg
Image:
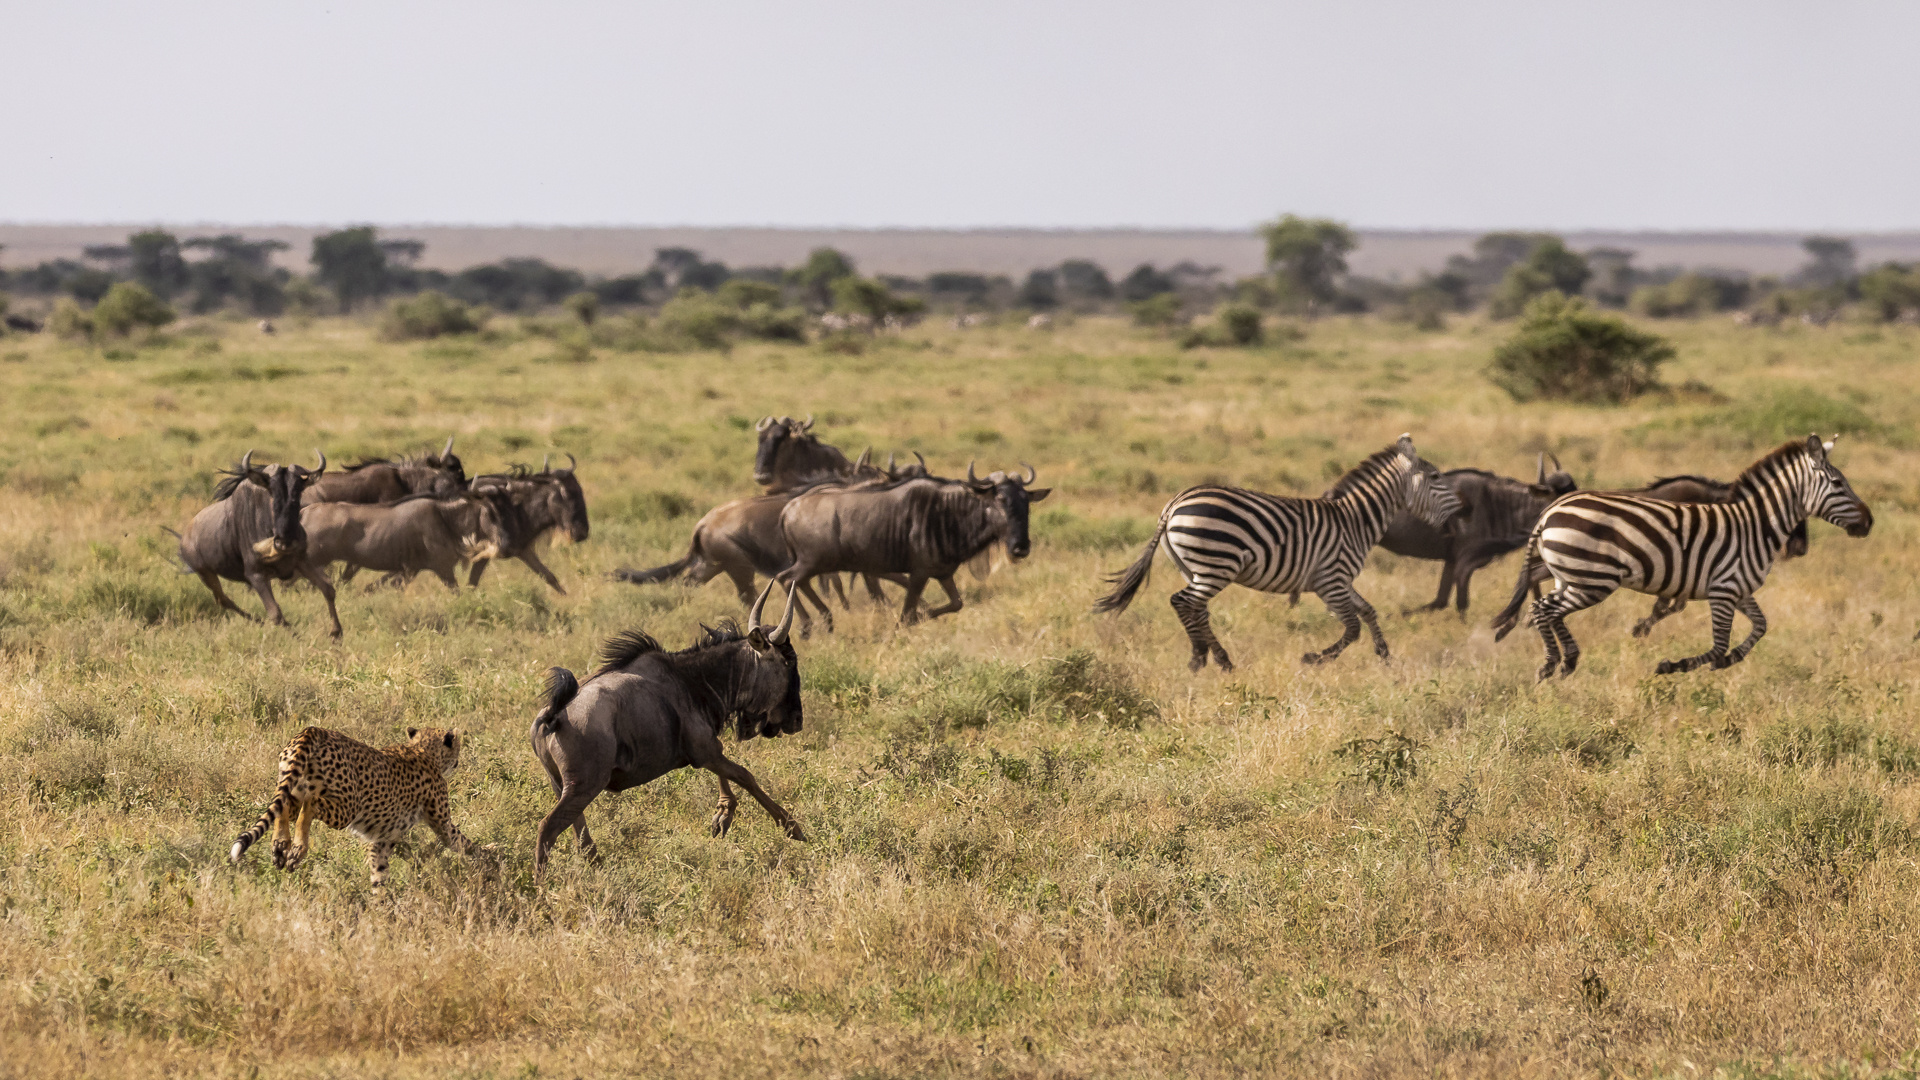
1723 608
1751 609
1190 604
1346 606
1663 607
1549 615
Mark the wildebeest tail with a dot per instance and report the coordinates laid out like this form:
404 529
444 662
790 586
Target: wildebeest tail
1130 579
661 573
561 687
1532 572
282 804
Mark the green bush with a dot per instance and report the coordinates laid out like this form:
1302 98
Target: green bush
1891 290
745 293
1548 267
866 296
1689 295
770 323
69 320
129 306
699 319
1564 350
430 315
1241 323
584 306
1156 311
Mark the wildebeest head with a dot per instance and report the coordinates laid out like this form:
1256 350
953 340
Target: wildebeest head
284 486
448 462
918 471
569 503
769 699
774 432
1013 495
1559 482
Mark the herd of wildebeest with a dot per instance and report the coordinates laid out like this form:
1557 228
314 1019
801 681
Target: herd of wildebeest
647 711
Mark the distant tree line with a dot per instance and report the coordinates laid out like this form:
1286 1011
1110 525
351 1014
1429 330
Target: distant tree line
1307 275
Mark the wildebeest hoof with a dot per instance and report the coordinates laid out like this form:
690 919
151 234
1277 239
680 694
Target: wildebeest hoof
795 831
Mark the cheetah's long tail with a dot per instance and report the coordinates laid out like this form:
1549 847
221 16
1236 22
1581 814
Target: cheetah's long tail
282 804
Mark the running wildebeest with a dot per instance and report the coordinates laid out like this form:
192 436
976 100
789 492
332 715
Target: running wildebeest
1497 514
790 457
924 529
441 475
647 712
1680 489
538 503
252 533
403 538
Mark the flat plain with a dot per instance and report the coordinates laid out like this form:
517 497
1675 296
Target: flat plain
1040 847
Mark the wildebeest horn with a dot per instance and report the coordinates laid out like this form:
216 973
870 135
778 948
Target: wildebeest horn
246 462
1556 462
572 464
317 452
447 449
760 605
1031 474
808 426
865 460
545 462
922 459
779 635
1543 468
970 477
889 461
765 423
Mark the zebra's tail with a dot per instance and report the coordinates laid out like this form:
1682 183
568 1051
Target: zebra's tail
1532 572
1130 579
283 803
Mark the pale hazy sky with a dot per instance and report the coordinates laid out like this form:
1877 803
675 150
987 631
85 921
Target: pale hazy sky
1671 115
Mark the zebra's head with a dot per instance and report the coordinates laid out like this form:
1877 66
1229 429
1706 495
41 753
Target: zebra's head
1424 493
1829 496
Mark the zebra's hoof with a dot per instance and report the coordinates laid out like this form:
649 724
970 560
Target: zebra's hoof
1313 659
1667 667
1547 672
1194 665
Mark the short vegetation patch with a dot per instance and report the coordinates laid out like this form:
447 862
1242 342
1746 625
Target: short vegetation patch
1566 351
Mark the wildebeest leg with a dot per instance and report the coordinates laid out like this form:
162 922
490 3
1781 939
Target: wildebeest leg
909 608
1190 604
1723 608
1446 590
727 769
540 568
1463 570
838 590
313 574
723 809
347 570
953 603
264 586
826 613
1663 607
873 589
446 578
1346 606
212 581
567 812
473 575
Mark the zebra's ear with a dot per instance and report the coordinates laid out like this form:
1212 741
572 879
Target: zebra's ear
1816 447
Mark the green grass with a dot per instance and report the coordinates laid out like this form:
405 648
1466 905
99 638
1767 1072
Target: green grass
1040 847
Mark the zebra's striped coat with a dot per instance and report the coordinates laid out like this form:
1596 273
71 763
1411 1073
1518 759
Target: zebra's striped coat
1219 536
1594 544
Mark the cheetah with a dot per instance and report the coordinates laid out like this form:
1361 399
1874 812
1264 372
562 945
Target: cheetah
378 795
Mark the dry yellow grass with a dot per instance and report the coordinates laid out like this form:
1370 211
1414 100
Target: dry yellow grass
1041 848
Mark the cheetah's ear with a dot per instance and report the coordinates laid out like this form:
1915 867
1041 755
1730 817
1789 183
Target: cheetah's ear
448 739
411 732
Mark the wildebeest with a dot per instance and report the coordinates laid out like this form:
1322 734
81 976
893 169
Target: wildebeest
924 529
1497 513
441 475
790 457
403 538
1680 489
647 712
252 533
537 504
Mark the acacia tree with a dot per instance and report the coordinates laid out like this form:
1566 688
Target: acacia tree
1307 256
352 263
824 267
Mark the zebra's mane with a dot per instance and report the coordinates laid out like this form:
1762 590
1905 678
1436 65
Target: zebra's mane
1379 464
1776 460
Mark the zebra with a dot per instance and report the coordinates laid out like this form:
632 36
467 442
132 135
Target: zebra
1219 536
1595 543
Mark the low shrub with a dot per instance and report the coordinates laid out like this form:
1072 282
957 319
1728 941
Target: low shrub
70 321
430 315
1156 311
1566 351
129 306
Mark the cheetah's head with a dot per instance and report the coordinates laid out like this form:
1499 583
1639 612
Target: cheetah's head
440 745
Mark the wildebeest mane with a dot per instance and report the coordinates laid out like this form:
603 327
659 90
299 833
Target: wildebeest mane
231 479
626 647
726 633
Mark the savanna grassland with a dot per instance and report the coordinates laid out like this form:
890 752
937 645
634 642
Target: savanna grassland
1040 847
